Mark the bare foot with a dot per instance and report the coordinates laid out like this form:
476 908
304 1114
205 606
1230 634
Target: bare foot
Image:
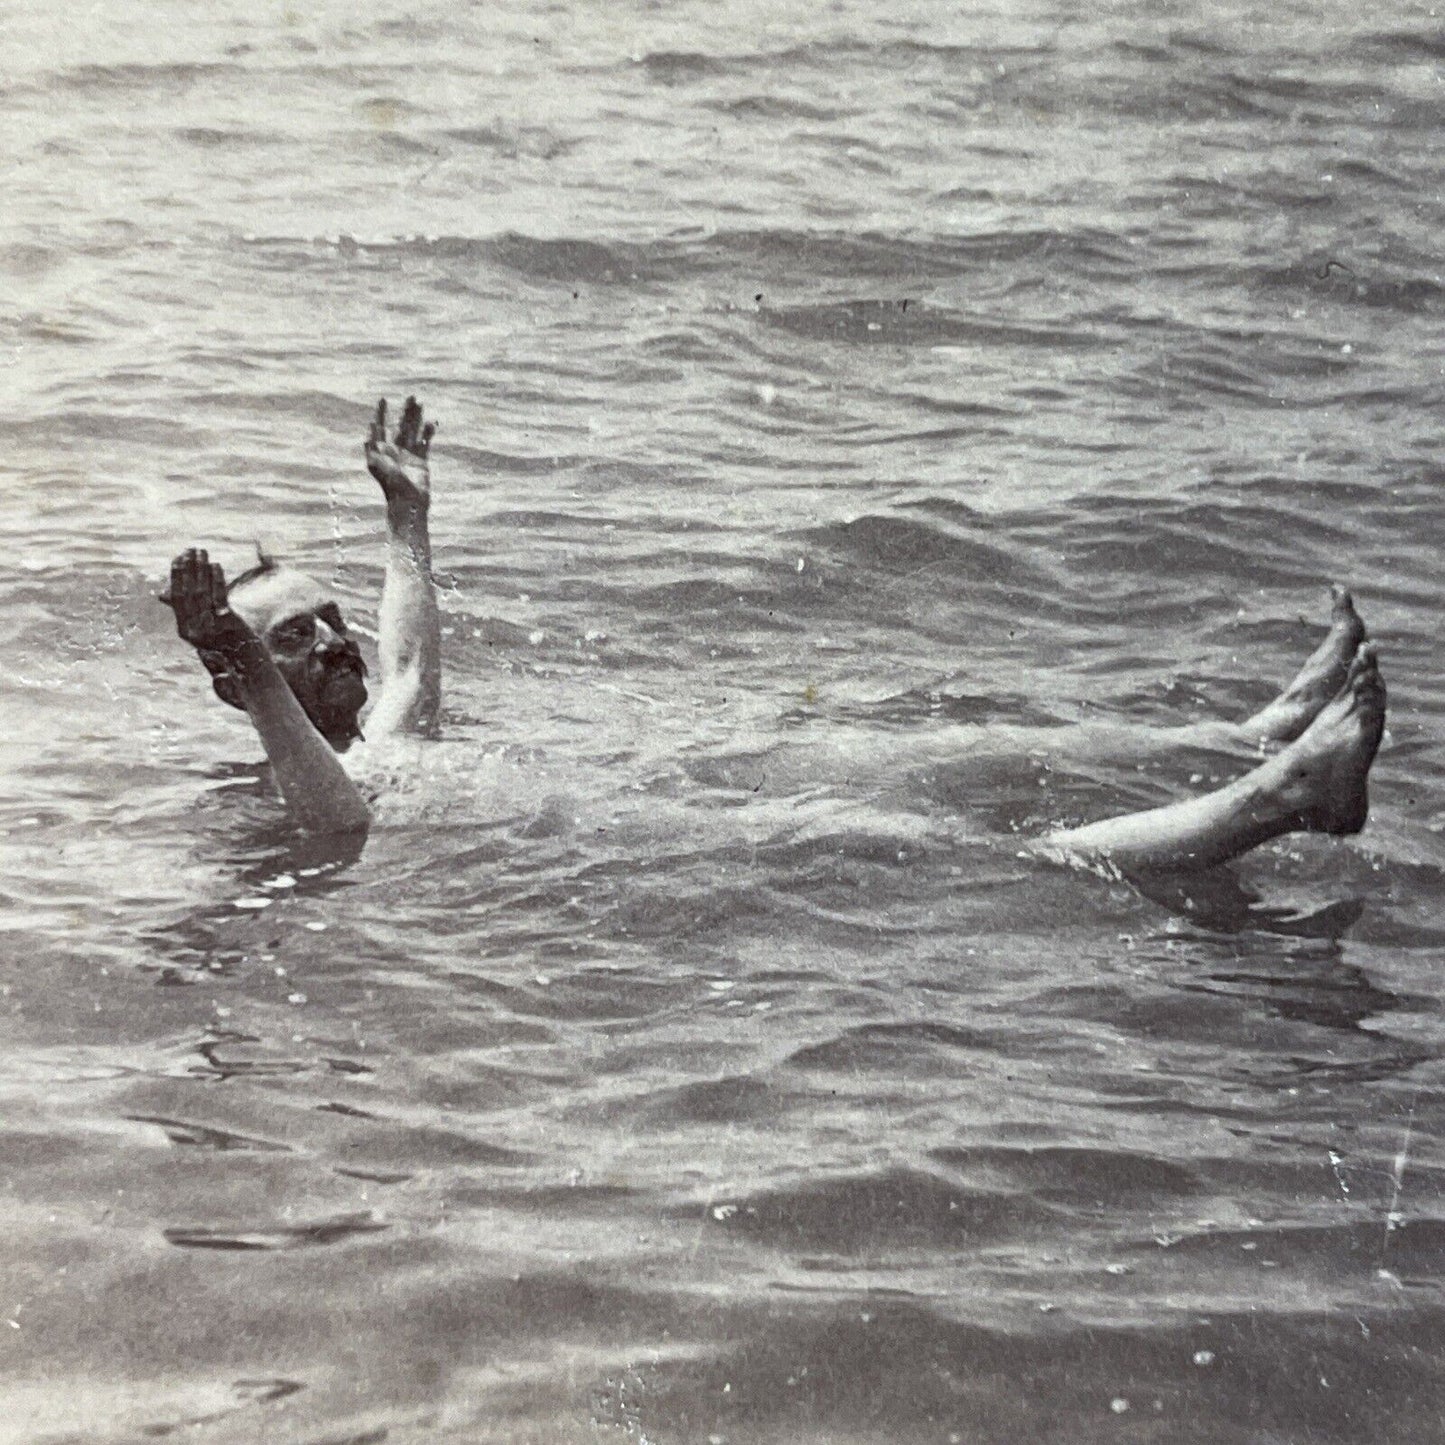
1316 683
1316 785
1328 765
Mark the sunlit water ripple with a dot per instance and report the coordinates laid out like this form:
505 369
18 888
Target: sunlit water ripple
855 421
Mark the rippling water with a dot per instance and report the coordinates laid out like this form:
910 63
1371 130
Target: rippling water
839 405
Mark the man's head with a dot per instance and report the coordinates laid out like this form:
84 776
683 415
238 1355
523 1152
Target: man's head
303 630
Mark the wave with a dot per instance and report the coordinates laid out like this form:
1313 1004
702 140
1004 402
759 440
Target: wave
892 1209
169 77
911 543
806 255
895 323
226 137
680 67
779 107
513 142
1354 281
1407 44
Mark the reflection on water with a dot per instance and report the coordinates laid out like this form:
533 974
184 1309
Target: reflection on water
857 426
1218 901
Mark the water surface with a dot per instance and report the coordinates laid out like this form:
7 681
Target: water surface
839 407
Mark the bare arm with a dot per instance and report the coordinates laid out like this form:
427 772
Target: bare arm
409 627
316 787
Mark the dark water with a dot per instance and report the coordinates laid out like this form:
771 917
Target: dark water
839 404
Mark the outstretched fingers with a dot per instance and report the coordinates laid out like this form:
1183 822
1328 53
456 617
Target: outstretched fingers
216 582
400 464
185 585
408 434
197 595
411 435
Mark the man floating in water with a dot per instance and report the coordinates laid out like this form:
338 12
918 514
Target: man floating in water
277 647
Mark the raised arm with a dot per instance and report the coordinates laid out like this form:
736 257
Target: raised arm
316 787
409 627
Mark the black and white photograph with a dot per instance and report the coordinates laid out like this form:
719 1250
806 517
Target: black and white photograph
722 724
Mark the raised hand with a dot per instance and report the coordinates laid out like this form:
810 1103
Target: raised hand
408 625
317 788
197 595
400 465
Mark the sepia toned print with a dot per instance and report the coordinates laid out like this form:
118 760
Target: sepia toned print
796 849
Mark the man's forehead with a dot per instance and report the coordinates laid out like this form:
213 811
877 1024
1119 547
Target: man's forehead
277 594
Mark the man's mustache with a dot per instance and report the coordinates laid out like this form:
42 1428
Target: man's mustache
336 655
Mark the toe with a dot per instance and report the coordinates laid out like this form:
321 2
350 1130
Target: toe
1344 616
1363 664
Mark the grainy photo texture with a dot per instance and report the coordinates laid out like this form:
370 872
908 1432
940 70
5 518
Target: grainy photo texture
721 724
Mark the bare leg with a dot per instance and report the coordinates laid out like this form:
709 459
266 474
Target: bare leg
1316 683
1317 785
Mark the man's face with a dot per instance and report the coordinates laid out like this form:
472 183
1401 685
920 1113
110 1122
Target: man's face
304 632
